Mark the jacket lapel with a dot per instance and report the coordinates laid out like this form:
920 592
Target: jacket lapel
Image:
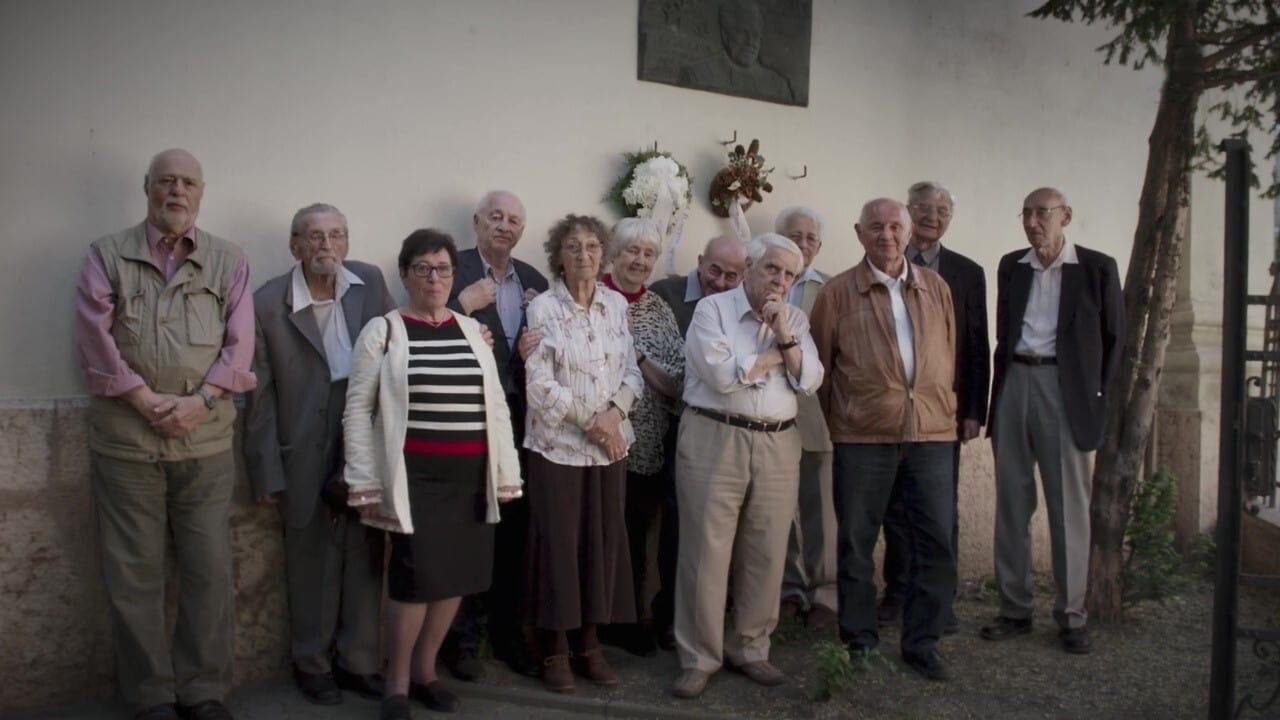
352 305
1072 282
1019 293
305 321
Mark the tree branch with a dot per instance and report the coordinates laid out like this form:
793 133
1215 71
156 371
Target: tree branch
1225 78
1250 37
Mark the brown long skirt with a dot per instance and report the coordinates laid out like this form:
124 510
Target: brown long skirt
578 568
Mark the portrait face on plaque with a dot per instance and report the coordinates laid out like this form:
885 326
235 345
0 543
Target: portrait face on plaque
750 48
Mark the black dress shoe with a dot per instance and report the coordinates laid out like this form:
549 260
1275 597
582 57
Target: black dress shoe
207 710
1076 640
369 687
318 688
666 639
464 665
435 696
1006 627
518 659
164 711
929 665
638 640
395 707
951 625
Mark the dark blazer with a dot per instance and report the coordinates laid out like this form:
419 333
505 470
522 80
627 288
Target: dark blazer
510 364
1090 336
672 290
287 442
968 285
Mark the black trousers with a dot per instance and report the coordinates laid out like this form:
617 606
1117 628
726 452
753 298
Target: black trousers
502 604
865 477
897 542
663 607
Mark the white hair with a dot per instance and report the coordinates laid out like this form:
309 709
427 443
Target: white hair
931 186
629 230
295 227
760 245
785 217
486 201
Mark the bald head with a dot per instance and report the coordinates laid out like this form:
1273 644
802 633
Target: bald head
1045 216
174 185
721 264
884 227
499 223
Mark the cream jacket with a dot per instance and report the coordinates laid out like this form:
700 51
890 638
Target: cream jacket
376 419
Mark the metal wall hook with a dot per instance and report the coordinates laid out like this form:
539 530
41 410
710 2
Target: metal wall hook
731 140
802 175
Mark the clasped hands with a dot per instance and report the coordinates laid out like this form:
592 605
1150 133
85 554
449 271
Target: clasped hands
171 416
604 429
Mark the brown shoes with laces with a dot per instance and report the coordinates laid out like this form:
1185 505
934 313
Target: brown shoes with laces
556 674
591 665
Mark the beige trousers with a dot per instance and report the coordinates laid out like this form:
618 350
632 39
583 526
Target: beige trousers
736 493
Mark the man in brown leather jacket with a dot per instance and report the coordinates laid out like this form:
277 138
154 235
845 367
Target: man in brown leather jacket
885 332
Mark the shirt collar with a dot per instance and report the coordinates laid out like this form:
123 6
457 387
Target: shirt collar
154 236
929 255
884 279
1066 257
810 274
741 305
302 294
692 287
562 291
488 269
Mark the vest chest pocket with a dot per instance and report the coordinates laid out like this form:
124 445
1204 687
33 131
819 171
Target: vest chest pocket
204 311
130 312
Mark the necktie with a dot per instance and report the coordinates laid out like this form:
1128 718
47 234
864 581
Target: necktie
919 260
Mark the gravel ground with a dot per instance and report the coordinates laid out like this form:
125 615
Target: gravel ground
1156 665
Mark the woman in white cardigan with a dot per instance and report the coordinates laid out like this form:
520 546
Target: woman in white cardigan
430 455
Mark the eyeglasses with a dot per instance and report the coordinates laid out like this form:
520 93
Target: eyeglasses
1041 213
942 211
319 236
424 270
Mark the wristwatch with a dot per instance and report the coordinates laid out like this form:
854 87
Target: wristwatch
209 400
787 346
621 413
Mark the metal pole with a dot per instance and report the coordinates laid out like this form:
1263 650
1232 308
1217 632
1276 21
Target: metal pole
1230 448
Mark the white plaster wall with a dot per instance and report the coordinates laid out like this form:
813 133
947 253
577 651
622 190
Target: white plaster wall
402 112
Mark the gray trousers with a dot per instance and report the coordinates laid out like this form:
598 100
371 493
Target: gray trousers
333 570
138 505
1032 431
810 572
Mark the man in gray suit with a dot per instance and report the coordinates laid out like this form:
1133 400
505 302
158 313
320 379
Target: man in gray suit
307 320
809 578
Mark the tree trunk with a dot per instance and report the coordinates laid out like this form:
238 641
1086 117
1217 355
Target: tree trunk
1150 289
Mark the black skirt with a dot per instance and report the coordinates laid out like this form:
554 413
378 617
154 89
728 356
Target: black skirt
450 552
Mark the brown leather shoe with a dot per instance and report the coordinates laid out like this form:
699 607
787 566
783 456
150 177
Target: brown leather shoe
556 674
690 684
592 666
821 619
762 672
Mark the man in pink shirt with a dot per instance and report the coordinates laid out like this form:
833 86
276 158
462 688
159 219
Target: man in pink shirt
164 334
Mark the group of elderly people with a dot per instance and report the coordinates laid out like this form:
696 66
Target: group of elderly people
519 444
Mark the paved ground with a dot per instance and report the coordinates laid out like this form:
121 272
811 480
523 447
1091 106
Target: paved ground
1156 665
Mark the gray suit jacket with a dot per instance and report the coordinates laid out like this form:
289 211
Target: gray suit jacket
291 438
809 418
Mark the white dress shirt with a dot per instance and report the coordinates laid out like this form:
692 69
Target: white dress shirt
725 337
1040 321
333 325
901 320
585 359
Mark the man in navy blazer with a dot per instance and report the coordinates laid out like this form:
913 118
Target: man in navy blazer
1059 338
493 287
932 206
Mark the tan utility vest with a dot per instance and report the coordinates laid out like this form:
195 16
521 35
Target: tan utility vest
170 333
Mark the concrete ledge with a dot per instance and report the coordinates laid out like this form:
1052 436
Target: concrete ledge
601 707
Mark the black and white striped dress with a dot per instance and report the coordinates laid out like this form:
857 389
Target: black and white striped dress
445 452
